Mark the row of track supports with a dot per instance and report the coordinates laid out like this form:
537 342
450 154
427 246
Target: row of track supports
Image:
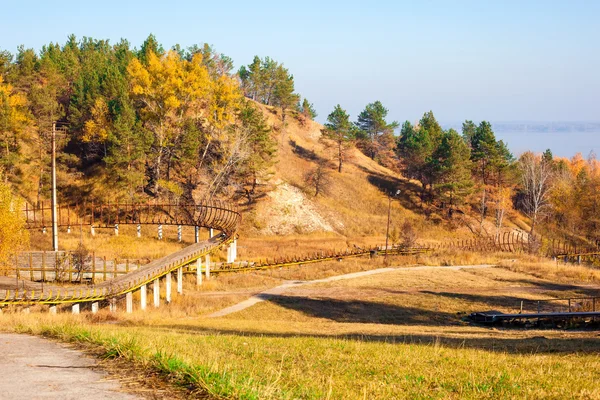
159 233
202 272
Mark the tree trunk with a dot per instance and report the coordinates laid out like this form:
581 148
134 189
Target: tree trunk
340 157
157 171
533 222
482 215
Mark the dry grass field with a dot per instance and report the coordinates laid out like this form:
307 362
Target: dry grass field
398 334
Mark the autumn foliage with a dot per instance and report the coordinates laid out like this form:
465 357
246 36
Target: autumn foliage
132 123
13 236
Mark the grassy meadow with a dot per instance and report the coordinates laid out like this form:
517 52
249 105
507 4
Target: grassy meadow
395 335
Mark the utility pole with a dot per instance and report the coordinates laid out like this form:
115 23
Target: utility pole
54 203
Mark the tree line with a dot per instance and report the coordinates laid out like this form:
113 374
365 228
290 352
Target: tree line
133 123
181 124
474 169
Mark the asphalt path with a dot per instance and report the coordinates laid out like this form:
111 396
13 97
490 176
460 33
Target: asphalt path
37 368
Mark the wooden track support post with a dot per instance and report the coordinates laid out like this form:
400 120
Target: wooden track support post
199 271
207 266
229 253
168 287
180 280
129 302
143 293
156 293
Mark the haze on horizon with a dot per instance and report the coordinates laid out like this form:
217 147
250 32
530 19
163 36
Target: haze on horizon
503 61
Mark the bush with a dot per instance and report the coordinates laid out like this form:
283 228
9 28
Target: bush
13 235
408 235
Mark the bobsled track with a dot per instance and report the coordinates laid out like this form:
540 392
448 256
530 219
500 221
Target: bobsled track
214 216
219 216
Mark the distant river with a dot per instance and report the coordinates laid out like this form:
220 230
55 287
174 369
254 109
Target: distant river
562 144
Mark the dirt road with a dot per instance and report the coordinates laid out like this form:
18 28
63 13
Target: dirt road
36 368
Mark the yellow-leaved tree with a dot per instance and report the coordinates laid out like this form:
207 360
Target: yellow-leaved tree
96 128
13 117
171 92
13 235
188 113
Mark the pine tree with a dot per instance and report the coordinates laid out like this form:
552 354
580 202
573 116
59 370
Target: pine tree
468 131
452 168
262 151
340 130
416 146
376 131
283 92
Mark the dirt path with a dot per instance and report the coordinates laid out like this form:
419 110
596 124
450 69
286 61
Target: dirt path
37 368
292 284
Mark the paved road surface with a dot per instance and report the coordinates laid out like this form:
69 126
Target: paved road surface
36 368
282 288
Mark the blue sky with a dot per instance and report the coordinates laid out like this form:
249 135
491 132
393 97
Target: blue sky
494 60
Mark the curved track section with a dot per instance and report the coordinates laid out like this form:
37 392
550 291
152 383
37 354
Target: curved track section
219 215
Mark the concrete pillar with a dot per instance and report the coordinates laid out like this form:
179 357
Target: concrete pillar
229 253
129 302
95 307
196 234
234 256
75 308
156 293
116 229
207 266
211 233
112 305
168 287
25 310
199 272
160 232
52 309
92 230
179 233
143 293
579 259
139 230
44 230
69 229
180 280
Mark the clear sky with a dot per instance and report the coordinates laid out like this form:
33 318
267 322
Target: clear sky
494 60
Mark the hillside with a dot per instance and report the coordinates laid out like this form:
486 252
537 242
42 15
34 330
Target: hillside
355 204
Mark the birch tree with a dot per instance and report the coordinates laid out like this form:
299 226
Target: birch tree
536 180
